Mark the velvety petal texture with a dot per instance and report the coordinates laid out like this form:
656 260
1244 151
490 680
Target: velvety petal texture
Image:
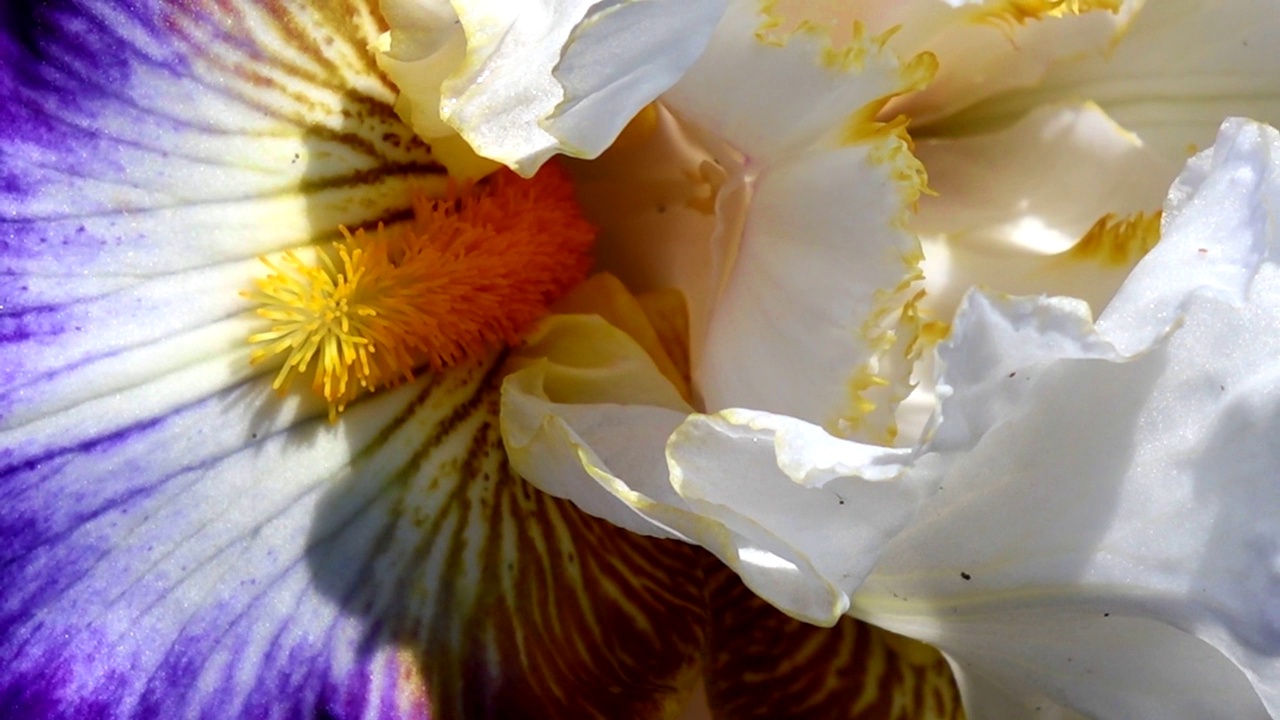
1102 536
177 540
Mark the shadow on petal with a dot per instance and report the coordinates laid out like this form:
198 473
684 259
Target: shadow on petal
510 603
764 664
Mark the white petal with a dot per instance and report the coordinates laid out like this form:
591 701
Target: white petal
1217 231
1029 663
827 506
1123 472
545 77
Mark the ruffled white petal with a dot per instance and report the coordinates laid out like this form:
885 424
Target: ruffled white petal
1118 473
811 192
540 78
988 48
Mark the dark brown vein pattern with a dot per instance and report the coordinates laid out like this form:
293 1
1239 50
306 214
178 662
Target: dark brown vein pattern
512 603
764 664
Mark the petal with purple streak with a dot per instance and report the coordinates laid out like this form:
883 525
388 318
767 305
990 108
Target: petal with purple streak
174 540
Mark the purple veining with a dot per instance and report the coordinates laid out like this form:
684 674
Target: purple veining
72 665
76 507
60 60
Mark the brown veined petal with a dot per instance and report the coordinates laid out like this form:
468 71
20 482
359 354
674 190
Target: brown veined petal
509 602
764 664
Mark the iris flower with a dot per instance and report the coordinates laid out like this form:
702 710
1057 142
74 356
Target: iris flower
1093 531
251 337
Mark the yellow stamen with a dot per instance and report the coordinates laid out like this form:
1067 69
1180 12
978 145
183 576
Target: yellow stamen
470 272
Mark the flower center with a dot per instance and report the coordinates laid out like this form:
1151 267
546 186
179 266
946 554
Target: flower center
470 272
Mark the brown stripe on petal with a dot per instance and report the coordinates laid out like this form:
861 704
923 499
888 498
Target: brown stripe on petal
304 70
764 664
513 604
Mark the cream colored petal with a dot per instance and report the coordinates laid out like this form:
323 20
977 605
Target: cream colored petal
653 195
1183 66
586 415
424 45
1012 204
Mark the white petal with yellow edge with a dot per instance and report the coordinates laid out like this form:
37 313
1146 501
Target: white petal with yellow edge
983 47
812 268
768 94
